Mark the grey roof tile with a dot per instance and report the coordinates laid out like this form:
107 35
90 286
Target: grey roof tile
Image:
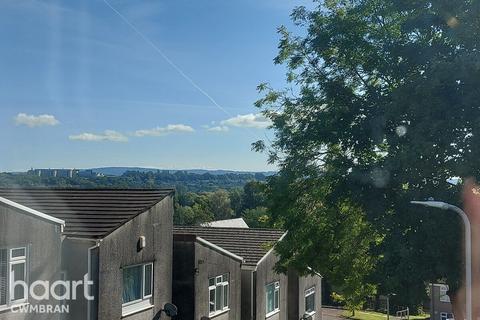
88 213
250 244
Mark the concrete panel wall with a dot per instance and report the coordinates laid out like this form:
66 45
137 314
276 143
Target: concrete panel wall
265 274
211 263
120 249
43 240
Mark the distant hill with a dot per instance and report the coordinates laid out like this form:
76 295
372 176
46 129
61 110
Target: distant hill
118 171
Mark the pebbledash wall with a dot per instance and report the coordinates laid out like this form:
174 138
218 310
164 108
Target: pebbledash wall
42 239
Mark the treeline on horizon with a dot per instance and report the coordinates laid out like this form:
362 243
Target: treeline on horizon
199 198
189 182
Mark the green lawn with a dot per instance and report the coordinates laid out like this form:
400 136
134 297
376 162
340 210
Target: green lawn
368 315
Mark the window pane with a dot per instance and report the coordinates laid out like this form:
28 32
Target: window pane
132 284
148 280
225 277
219 298
212 300
3 277
18 272
225 295
270 293
310 303
19 252
211 282
276 299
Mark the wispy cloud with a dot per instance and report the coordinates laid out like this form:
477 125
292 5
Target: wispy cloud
32 121
163 131
108 135
250 120
218 129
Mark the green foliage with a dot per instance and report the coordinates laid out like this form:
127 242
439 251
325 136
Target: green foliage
257 217
383 109
133 179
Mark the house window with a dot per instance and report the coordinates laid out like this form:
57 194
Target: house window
310 301
13 269
272 298
137 288
446 316
443 294
219 293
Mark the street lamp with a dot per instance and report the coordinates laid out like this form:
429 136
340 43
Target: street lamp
468 246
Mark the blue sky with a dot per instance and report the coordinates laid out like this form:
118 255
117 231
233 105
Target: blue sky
166 84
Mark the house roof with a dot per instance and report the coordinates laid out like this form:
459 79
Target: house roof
250 244
88 213
228 223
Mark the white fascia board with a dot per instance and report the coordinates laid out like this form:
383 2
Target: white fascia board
271 250
31 211
220 249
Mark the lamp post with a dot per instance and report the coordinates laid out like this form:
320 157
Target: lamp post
468 247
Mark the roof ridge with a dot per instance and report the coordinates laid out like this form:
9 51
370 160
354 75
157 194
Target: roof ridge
85 189
230 228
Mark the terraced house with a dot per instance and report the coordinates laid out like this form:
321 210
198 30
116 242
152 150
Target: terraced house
204 263
120 239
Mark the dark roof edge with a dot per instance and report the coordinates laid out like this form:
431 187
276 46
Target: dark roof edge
271 250
171 193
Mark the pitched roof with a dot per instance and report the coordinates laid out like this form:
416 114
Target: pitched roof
250 244
227 223
88 213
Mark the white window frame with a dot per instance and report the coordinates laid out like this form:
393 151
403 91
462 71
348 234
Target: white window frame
221 283
445 315
11 261
309 292
276 298
145 302
443 296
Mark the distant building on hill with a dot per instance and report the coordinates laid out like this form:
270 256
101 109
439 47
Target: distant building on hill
66 173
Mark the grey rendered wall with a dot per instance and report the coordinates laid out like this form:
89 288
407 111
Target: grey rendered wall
265 274
293 295
119 249
436 306
305 283
211 263
247 295
43 240
183 278
75 266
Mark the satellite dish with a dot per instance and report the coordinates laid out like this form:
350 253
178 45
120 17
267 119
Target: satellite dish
170 310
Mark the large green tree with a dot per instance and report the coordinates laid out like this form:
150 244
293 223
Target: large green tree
382 107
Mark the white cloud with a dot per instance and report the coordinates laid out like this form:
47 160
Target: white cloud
32 121
163 131
250 120
218 129
108 135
